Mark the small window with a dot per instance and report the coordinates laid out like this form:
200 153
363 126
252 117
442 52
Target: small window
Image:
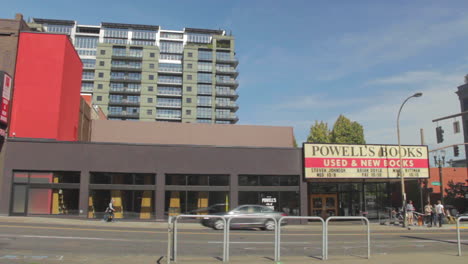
149 112
99 98
188 100
189 88
189 66
150 99
189 77
103 52
101 75
99 86
101 63
188 112
152 54
150 88
151 65
190 54
151 77
456 127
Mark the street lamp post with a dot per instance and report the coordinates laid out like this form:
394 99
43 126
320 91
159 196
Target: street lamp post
403 193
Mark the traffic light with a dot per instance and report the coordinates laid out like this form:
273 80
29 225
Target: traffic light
456 151
440 134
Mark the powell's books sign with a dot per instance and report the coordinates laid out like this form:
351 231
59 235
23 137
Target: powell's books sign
364 161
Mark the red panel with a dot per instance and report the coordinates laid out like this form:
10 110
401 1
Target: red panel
40 201
47 88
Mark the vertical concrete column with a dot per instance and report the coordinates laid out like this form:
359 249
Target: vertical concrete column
160 195
303 194
84 194
233 190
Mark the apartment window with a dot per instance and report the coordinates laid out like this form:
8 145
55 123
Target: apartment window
188 100
189 77
204 100
149 112
189 66
204 89
205 66
151 77
171 47
150 88
99 86
101 75
151 65
205 55
103 52
189 88
188 112
203 112
169 90
198 38
170 67
204 77
152 54
101 63
99 98
150 100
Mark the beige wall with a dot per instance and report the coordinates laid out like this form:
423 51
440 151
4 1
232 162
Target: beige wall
190 134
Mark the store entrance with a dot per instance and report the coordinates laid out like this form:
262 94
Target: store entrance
323 205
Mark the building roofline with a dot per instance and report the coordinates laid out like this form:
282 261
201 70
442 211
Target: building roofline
54 21
133 26
206 31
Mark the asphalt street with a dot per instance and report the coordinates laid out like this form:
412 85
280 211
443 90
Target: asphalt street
99 242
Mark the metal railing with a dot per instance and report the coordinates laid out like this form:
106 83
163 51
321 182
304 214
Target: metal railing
172 254
226 257
347 218
458 233
278 235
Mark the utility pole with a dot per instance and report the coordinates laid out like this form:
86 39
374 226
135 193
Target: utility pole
420 181
440 162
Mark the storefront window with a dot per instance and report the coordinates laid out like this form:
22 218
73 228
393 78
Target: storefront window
53 201
122 178
268 180
128 204
287 202
203 180
196 202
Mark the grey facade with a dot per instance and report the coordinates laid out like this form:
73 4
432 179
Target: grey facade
143 72
157 160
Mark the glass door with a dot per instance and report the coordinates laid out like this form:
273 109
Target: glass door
323 205
19 199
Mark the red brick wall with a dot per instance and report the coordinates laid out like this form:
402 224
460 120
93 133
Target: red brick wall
448 174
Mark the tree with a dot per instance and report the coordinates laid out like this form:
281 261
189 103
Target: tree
319 133
347 132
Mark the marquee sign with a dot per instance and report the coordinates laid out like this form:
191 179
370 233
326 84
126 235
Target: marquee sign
5 88
364 161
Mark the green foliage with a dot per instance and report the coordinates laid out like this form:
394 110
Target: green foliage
347 132
344 132
319 133
456 196
294 142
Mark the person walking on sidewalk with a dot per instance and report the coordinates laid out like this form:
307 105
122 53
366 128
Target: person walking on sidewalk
439 208
428 214
409 212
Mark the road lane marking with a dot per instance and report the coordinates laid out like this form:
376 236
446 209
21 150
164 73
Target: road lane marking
68 237
206 233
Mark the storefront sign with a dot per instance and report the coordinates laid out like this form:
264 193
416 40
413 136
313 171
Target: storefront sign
269 202
436 183
5 88
364 161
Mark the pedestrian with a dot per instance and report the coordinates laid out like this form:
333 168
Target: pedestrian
110 210
428 214
439 208
409 212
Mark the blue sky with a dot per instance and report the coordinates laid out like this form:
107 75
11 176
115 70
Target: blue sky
302 61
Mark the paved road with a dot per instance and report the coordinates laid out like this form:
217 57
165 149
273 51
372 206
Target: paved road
66 241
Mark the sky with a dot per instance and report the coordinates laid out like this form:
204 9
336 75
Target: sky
307 61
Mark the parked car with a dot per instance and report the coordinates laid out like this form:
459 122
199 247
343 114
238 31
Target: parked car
263 221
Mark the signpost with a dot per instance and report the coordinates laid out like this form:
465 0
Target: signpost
435 183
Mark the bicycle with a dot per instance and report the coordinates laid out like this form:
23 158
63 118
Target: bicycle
108 215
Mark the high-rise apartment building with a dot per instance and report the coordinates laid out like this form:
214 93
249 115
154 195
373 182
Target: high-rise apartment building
142 72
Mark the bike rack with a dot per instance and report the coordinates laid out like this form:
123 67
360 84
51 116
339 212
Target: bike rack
278 239
226 257
347 218
174 246
458 233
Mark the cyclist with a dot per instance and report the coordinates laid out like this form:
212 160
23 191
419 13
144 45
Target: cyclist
109 213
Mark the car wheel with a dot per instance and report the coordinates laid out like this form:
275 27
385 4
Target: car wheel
269 225
218 224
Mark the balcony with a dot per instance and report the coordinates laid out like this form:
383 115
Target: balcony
232 72
229 93
126 67
168 105
232 61
125 79
204 104
169 94
87 89
231 82
169 117
124 114
124 102
169 82
125 90
127 56
169 70
231 117
231 105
